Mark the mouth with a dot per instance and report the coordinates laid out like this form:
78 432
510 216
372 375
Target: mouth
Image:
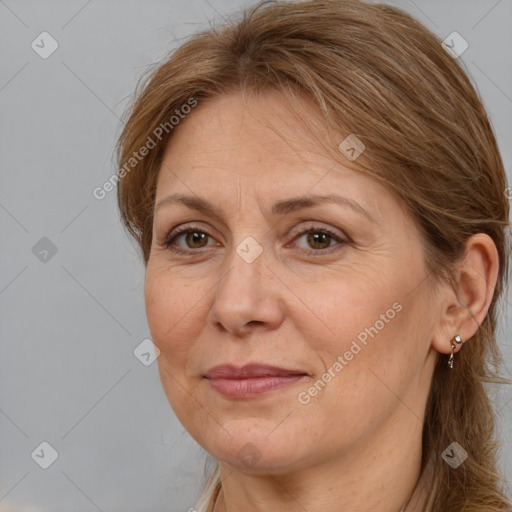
251 380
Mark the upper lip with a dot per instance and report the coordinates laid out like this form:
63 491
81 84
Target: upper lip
229 371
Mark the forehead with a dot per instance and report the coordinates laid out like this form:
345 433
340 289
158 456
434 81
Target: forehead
253 136
257 129
233 146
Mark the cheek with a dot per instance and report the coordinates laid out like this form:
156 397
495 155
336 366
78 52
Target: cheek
341 308
357 327
173 307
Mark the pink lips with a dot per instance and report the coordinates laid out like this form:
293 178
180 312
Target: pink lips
251 380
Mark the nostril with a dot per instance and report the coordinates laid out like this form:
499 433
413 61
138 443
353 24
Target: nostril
255 322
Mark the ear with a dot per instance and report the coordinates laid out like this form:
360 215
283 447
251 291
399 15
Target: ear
466 302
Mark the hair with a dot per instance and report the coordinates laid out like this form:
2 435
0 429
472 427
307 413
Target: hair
374 71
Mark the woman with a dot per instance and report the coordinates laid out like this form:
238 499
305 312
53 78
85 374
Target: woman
319 200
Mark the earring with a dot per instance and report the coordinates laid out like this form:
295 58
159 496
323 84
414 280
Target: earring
458 340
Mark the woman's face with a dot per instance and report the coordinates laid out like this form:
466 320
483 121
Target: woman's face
348 312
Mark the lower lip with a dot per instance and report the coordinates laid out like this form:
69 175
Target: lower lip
251 387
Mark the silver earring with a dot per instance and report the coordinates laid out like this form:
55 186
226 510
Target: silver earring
458 340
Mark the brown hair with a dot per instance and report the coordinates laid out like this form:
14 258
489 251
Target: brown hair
374 71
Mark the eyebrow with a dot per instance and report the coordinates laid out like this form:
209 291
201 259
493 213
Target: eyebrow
280 208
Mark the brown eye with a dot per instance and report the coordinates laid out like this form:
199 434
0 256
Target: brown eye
319 240
195 237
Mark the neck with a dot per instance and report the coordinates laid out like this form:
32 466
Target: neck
375 477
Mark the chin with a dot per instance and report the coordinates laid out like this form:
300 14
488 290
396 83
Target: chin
257 449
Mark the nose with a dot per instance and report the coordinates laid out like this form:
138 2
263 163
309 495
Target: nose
247 297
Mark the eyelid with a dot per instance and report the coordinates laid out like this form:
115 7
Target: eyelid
317 225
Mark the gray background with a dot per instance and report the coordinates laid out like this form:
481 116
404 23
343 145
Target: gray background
69 325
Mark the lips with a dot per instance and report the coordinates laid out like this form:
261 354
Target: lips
250 371
251 380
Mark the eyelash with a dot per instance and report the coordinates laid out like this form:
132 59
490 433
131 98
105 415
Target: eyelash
170 239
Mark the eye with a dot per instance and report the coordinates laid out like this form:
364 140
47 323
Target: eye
319 239
193 237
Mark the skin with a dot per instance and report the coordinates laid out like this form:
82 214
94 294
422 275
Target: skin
356 445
